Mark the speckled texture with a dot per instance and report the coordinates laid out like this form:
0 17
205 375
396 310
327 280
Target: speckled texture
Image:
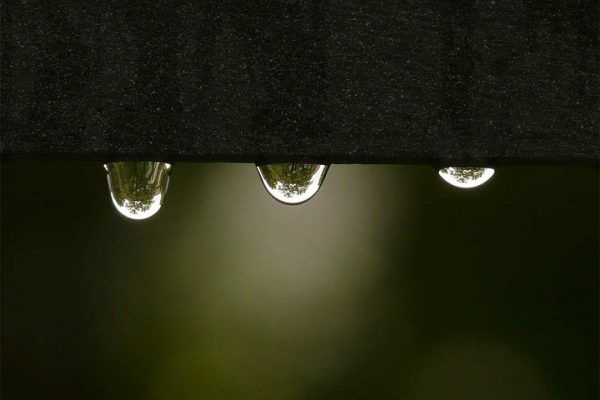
511 82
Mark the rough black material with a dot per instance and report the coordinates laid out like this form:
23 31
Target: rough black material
464 82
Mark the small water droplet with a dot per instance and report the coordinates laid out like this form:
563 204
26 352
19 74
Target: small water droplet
138 188
466 177
292 183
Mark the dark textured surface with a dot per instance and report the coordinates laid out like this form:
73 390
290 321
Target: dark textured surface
338 81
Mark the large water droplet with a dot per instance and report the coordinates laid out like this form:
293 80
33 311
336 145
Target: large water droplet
292 183
138 188
466 177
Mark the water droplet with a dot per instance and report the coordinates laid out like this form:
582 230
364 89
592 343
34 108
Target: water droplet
466 177
292 183
138 188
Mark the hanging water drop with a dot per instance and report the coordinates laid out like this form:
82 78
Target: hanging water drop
466 177
292 183
138 188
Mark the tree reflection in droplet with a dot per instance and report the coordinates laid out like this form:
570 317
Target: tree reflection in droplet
138 188
292 183
466 177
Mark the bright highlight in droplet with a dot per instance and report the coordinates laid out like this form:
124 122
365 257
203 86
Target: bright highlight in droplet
138 188
291 183
466 177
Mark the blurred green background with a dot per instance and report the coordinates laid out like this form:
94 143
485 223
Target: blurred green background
389 284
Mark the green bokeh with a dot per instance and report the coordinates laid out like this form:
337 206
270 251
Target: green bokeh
388 284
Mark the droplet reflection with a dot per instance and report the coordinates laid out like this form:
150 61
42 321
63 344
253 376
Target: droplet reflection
466 177
138 188
292 183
